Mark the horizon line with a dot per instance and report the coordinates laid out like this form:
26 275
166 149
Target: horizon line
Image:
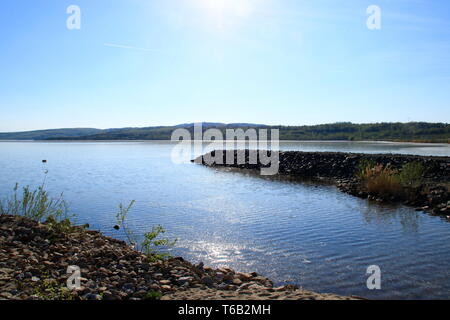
230 123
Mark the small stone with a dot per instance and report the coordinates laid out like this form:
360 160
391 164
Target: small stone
110 296
6 270
244 286
104 270
155 287
92 296
183 280
256 286
200 265
231 287
6 295
207 280
128 286
244 276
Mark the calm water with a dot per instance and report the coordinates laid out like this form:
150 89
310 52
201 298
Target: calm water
293 232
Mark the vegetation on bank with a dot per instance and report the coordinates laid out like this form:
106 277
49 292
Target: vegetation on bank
34 204
344 131
387 182
39 206
151 240
413 131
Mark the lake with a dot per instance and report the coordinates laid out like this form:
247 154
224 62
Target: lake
294 232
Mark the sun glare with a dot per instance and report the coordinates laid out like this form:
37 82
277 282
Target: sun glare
226 7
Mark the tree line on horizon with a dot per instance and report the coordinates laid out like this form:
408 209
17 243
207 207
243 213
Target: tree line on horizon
344 131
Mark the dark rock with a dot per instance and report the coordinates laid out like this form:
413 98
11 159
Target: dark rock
92 296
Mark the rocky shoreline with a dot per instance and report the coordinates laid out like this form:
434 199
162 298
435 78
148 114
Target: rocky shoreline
34 259
339 168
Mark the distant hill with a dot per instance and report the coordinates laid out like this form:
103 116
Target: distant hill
413 131
48 134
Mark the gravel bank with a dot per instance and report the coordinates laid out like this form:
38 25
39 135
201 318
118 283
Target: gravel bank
34 261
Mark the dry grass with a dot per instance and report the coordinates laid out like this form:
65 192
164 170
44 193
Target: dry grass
383 181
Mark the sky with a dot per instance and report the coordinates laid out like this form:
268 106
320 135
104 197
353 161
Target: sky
137 63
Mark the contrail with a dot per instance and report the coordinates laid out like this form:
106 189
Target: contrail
107 44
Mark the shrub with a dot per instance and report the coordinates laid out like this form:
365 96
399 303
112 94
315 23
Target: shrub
363 166
412 174
151 243
380 180
58 228
384 182
34 204
150 246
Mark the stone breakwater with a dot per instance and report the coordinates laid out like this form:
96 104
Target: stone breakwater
339 168
34 261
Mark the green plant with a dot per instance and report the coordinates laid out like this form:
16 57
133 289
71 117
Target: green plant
412 174
39 206
34 204
153 295
121 218
362 167
150 245
50 289
58 228
384 182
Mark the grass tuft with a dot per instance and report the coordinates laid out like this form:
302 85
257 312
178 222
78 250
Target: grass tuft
34 204
383 181
387 182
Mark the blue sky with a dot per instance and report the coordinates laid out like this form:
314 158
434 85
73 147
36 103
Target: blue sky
163 62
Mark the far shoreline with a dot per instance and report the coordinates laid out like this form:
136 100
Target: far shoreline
281 141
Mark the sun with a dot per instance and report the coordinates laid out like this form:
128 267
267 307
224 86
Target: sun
226 7
214 5
226 16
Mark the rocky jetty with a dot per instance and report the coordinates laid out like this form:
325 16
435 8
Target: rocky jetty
340 168
34 259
